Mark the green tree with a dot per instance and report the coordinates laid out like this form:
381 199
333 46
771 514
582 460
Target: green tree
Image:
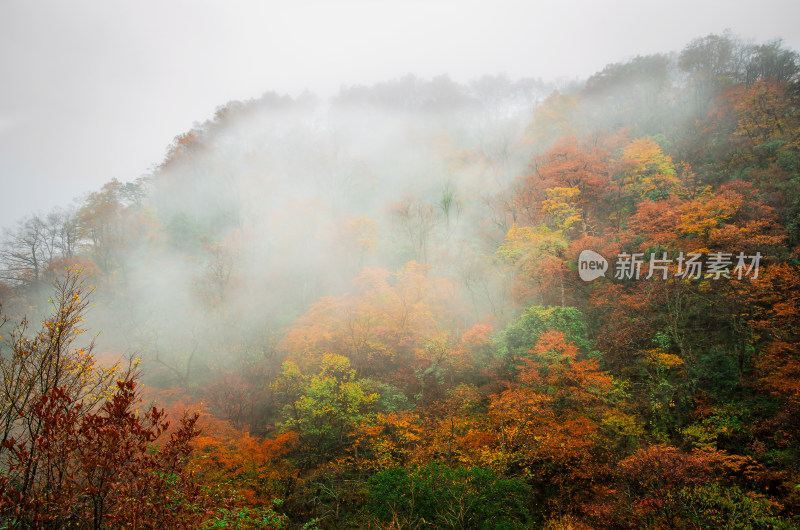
324 408
522 334
445 497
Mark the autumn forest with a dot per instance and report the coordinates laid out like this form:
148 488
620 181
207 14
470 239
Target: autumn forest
373 311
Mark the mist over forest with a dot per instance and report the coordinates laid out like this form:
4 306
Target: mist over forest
367 310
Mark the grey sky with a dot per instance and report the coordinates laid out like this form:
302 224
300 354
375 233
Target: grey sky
95 90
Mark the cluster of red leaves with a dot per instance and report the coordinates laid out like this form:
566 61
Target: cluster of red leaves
111 466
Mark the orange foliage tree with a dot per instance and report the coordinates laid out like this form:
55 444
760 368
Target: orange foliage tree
551 425
567 165
383 328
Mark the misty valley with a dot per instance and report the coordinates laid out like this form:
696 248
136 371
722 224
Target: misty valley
508 303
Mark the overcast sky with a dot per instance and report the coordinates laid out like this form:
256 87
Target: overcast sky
95 90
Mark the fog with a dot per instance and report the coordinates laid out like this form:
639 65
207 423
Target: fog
344 246
278 202
323 162
95 90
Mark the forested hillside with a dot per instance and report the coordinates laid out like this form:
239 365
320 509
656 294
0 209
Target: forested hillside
373 311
